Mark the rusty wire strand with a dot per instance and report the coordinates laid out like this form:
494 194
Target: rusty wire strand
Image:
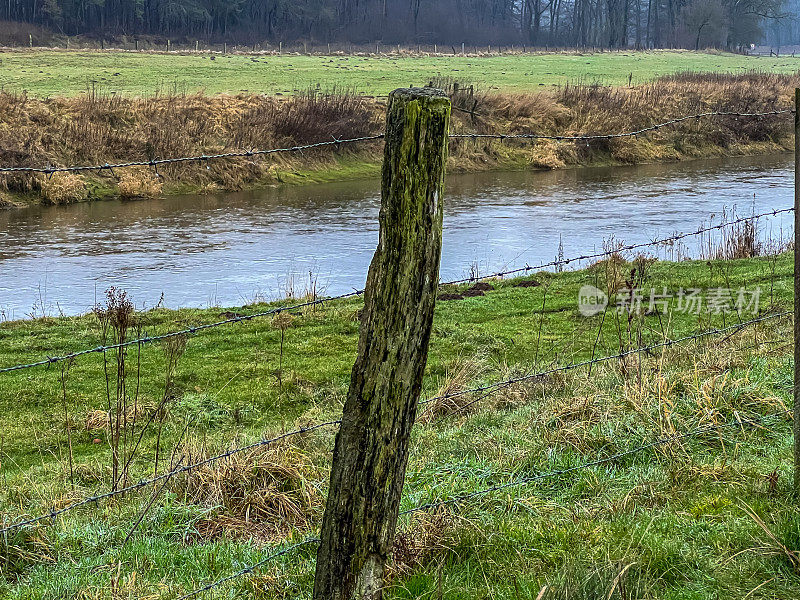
185 159
248 570
662 441
163 476
622 248
609 136
665 344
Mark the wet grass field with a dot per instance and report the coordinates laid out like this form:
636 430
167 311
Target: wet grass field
707 517
47 73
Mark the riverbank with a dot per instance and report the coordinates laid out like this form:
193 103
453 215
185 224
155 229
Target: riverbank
646 520
101 129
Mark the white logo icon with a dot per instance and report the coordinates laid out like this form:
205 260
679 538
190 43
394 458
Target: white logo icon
591 301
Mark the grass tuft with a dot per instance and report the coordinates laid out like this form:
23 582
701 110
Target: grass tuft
263 494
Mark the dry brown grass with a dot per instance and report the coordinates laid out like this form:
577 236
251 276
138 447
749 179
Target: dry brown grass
24 546
652 393
263 494
98 420
459 375
103 128
593 109
6 202
139 183
426 539
98 128
63 188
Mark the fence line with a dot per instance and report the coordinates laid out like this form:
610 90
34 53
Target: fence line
184 159
662 441
610 136
489 388
659 442
186 331
155 163
321 301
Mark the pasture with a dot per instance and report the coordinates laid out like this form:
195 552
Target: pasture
704 517
48 73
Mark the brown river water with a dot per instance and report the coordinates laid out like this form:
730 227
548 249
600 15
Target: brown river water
231 249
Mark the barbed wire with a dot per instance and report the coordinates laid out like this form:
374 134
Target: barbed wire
490 388
662 441
665 344
600 461
321 301
187 331
155 163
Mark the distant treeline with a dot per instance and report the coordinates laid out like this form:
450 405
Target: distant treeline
729 24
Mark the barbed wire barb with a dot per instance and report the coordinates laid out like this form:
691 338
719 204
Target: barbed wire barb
737 421
248 570
52 514
154 163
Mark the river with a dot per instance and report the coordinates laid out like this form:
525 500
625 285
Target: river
230 249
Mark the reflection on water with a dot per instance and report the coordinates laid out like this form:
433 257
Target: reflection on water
228 249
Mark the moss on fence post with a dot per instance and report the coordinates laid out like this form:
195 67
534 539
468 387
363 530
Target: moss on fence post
371 452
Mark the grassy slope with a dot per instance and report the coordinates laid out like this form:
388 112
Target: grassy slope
676 515
61 73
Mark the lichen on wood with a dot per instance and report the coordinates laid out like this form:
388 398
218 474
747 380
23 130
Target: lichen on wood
372 446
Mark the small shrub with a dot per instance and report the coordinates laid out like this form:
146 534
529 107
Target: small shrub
139 183
63 188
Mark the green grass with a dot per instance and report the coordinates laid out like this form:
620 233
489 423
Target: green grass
676 517
61 73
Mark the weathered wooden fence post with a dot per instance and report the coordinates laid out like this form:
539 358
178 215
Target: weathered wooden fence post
372 445
796 413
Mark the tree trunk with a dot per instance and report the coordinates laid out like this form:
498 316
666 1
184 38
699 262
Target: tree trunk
371 452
